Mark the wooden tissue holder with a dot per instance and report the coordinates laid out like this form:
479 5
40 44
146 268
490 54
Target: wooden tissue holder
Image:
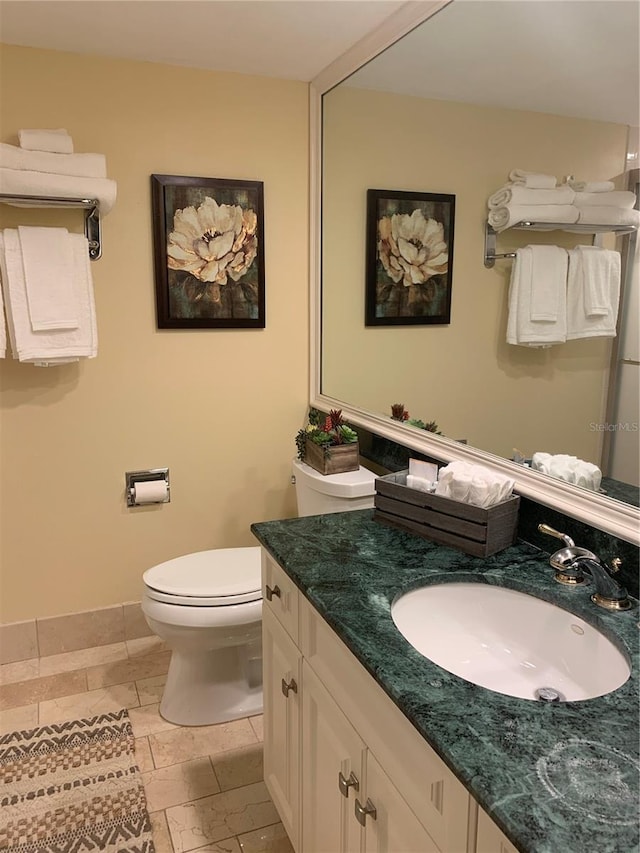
472 529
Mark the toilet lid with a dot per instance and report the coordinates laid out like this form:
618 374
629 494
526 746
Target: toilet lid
208 578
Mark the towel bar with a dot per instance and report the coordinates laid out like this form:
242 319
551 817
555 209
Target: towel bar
91 206
490 255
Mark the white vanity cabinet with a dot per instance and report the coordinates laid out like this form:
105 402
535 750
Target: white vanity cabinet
489 838
346 770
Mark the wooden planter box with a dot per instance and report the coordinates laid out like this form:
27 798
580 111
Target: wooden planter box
472 529
340 459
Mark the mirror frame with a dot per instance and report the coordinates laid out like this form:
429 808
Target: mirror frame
614 517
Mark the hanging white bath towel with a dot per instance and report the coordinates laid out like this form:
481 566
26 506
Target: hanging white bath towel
537 297
593 293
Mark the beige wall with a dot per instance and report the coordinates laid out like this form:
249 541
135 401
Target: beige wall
219 407
464 376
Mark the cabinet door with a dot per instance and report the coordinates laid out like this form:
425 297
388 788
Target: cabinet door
394 827
282 701
490 839
330 747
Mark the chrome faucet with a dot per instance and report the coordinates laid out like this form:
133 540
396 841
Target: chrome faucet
570 564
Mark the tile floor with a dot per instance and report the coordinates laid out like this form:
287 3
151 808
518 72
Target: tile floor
203 784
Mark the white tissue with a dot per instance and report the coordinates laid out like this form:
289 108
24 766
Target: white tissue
473 484
420 483
568 468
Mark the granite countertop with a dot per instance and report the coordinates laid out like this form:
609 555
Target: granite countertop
554 777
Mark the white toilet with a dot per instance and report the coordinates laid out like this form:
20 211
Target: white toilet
207 607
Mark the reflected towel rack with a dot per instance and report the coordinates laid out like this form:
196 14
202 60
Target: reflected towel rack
490 255
91 206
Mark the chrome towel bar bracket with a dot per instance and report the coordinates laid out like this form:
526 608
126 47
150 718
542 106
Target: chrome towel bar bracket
91 206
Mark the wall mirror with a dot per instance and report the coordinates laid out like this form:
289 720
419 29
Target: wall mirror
449 97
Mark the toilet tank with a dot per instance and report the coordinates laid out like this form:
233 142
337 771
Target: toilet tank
318 494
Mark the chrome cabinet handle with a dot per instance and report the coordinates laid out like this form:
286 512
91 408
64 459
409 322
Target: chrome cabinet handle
345 784
362 811
273 591
291 686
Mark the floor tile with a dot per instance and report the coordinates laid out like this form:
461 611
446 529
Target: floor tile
23 670
144 759
183 743
145 646
147 720
238 767
129 669
229 845
160 832
179 783
17 719
269 839
223 815
40 689
257 724
68 661
89 704
150 690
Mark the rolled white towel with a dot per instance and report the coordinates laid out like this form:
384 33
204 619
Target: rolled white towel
508 215
604 215
23 182
592 186
532 180
519 194
568 468
57 141
617 198
79 165
473 484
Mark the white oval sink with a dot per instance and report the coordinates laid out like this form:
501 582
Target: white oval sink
509 641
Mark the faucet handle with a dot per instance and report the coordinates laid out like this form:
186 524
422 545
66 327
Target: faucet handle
551 531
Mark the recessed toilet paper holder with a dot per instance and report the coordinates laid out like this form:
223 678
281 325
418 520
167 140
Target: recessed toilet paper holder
159 476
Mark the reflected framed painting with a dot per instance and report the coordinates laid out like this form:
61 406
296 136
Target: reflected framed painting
209 252
409 258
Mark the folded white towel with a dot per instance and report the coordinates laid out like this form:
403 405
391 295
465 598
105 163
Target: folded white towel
605 215
520 194
598 269
617 198
79 165
568 468
473 484
47 260
54 346
23 182
592 186
532 180
509 215
57 141
537 268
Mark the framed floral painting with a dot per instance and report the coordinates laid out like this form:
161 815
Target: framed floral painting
209 252
409 258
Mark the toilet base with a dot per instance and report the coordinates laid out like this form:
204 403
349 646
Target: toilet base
212 687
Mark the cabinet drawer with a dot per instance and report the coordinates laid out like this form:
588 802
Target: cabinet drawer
436 797
280 595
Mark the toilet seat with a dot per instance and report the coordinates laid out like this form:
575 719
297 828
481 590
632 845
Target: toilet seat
215 578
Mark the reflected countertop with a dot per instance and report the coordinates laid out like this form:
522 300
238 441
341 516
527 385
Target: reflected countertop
557 777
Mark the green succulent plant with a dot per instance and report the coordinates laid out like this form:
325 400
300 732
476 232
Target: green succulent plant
325 430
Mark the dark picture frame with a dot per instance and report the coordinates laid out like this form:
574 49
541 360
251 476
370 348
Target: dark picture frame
409 258
208 238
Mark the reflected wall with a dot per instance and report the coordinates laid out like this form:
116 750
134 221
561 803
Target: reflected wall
464 376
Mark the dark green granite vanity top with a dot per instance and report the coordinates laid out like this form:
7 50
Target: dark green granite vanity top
556 778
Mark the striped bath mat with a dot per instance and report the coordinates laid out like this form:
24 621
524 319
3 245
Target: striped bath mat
73 787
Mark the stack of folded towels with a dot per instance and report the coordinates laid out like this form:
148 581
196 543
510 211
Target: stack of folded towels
568 468
532 197
44 165
48 296
473 484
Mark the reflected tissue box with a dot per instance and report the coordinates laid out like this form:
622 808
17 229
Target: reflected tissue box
472 529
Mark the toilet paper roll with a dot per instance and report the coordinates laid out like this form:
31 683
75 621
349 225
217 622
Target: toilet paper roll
150 492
